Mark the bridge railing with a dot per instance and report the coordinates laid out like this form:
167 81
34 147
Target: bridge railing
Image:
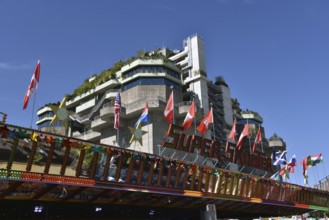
34 155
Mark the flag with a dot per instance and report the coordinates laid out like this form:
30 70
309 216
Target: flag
258 139
245 132
189 116
275 176
309 162
313 160
169 110
284 172
279 158
33 85
292 163
208 119
232 134
144 117
289 167
117 109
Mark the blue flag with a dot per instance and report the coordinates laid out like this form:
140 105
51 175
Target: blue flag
144 117
279 158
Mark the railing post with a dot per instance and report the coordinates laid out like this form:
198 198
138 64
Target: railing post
31 156
141 170
80 161
12 154
151 171
94 165
107 164
50 156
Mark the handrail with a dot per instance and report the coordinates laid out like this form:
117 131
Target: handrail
123 166
84 118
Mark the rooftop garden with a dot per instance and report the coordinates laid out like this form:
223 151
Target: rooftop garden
105 75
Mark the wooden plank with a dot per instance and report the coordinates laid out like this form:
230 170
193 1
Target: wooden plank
130 169
73 193
107 165
12 187
141 171
43 191
31 156
119 167
94 165
151 172
49 158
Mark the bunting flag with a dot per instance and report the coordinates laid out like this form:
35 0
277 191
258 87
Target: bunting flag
284 172
279 158
208 119
244 133
309 162
275 176
144 116
258 139
117 109
292 163
33 85
232 134
136 131
289 167
169 110
189 116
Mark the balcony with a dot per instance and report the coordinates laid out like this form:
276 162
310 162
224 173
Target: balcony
107 111
86 105
98 123
88 135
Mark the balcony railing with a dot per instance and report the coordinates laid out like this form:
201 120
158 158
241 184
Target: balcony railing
44 157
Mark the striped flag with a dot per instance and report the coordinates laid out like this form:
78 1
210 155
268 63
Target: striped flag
189 116
258 140
208 119
33 85
244 133
117 109
168 113
144 117
309 162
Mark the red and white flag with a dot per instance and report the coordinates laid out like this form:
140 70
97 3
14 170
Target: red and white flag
169 110
33 85
208 119
258 139
117 110
189 116
232 134
244 133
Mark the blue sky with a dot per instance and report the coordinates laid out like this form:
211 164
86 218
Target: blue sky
273 54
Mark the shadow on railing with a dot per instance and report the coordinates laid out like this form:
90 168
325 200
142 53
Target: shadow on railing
34 155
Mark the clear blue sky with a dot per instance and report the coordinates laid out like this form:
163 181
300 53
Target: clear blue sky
274 54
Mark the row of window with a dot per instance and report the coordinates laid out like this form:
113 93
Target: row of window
45 115
47 124
151 69
151 81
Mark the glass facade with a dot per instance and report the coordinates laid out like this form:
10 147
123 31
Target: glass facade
151 81
47 124
151 69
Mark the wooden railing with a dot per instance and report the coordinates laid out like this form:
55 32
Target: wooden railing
40 156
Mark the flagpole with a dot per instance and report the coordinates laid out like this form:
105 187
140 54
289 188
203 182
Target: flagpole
213 124
34 95
298 175
261 143
173 104
118 137
249 138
